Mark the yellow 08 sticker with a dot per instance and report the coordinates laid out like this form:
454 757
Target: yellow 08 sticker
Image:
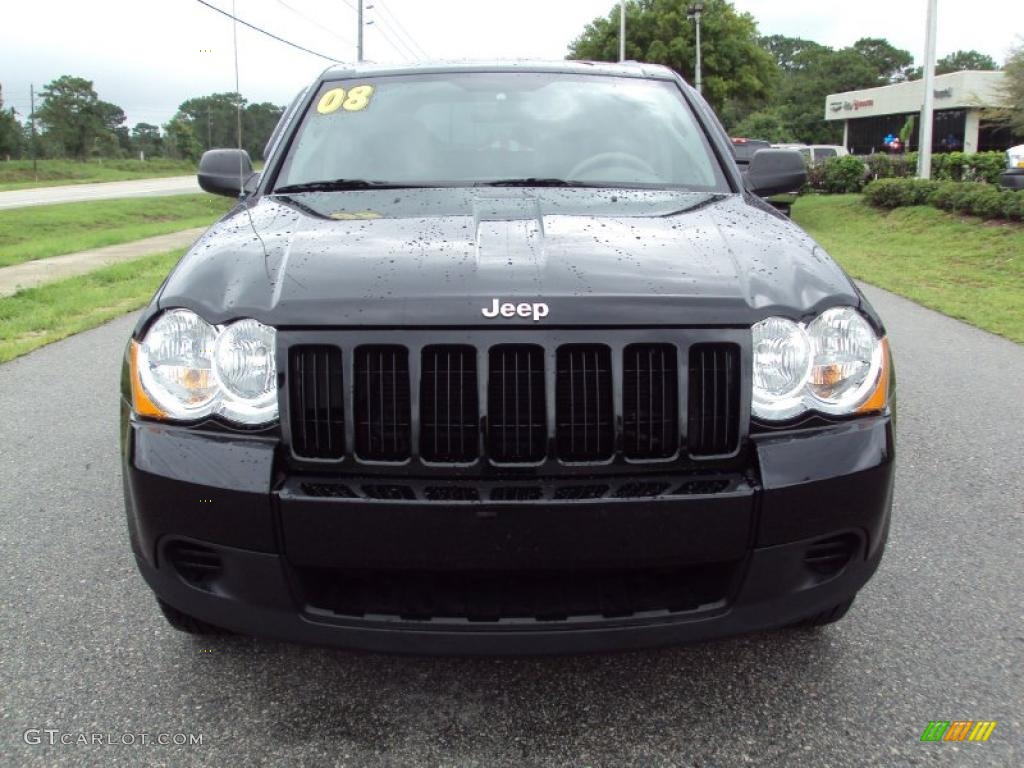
355 100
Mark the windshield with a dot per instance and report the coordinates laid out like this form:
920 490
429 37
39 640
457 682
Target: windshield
481 128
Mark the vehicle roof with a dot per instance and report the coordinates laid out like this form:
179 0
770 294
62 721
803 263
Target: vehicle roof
620 69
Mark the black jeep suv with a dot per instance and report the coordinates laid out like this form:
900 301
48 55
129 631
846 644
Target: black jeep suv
505 358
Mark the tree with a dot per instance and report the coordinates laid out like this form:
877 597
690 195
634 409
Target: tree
74 118
891 64
213 120
180 140
12 136
1013 91
959 61
811 72
734 66
113 119
769 123
258 122
792 54
146 138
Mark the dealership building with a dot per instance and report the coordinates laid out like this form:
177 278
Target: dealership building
959 103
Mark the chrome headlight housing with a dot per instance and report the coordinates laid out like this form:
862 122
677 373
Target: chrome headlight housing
836 364
186 369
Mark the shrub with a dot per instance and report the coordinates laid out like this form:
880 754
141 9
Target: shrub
844 174
977 199
943 195
881 166
1013 206
987 203
895 193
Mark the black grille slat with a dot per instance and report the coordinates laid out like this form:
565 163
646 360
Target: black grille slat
316 402
714 403
449 412
389 492
583 403
328 490
382 405
496 596
517 421
650 401
517 493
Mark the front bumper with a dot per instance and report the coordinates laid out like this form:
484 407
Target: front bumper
751 550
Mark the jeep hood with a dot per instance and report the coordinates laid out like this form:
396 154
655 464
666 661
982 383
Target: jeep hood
439 256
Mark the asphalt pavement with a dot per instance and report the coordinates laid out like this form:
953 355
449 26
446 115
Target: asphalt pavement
106 190
937 635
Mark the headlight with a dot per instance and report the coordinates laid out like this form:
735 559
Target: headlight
835 365
185 369
847 360
176 366
782 361
245 368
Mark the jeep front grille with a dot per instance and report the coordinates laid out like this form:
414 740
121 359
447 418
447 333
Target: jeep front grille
446 401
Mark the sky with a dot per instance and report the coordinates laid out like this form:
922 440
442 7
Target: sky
148 56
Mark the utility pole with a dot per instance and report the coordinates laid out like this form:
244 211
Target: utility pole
32 123
622 30
359 32
924 149
694 12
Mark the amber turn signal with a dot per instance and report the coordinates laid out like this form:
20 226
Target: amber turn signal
880 396
141 402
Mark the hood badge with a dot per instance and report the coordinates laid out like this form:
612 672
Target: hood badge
536 310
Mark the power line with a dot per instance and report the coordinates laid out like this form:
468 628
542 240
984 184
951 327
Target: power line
418 48
314 22
386 36
268 34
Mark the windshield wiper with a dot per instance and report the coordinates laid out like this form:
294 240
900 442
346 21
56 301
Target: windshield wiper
337 185
533 182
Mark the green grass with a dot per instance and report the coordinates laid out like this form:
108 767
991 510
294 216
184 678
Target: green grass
17 174
961 266
40 231
37 316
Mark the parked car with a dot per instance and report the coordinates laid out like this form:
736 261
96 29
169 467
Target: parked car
1013 176
816 153
505 358
744 150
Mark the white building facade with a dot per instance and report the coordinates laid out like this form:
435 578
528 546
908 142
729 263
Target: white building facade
960 102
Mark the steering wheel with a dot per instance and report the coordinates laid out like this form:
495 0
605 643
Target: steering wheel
612 160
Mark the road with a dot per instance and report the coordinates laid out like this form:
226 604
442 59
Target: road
107 190
937 635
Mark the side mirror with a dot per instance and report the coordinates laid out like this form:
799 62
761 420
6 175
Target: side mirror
225 171
773 171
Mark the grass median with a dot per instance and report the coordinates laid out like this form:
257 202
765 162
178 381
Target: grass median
37 316
38 232
18 174
963 267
